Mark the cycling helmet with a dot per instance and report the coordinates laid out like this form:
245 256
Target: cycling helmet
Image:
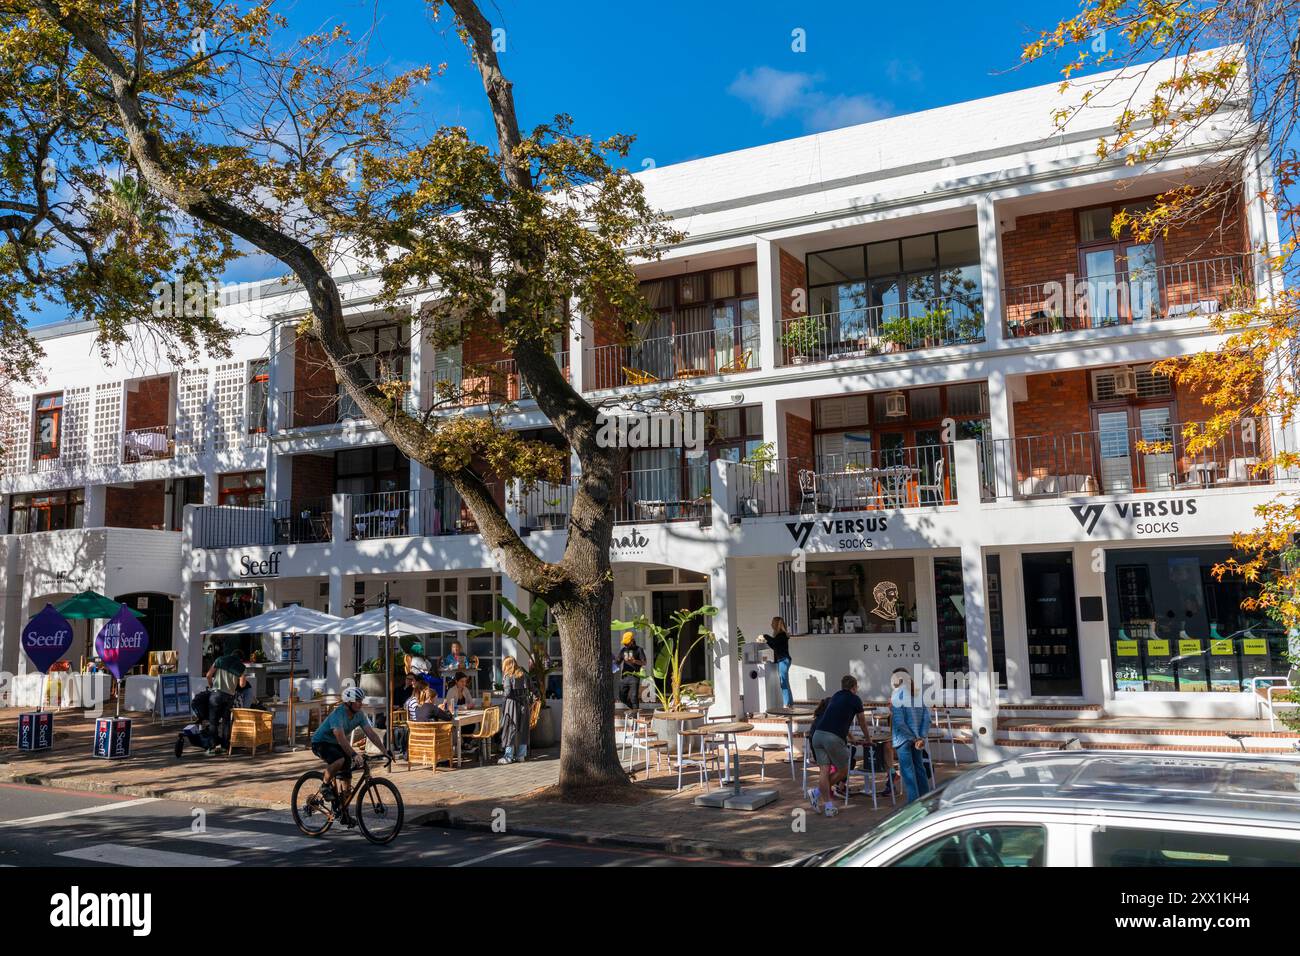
354 695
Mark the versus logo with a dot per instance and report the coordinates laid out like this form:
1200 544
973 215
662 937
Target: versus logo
1133 512
801 531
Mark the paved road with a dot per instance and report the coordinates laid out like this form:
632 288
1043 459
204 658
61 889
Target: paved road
43 826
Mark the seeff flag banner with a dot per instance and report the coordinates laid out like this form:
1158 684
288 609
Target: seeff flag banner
121 643
46 638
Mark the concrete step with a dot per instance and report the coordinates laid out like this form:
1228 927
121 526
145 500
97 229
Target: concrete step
1118 735
1013 748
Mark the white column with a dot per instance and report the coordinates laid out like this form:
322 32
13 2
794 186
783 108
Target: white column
1094 636
769 301
1001 429
280 373
12 613
581 338
982 687
1015 638
510 647
726 665
990 240
279 476
96 506
340 661
190 613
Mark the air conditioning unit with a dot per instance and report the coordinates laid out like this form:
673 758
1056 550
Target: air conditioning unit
895 405
1125 381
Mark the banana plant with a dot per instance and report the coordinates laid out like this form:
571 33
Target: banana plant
532 627
672 646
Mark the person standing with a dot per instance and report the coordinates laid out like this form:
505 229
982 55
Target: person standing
779 641
631 666
226 679
830 742
910 720
516 714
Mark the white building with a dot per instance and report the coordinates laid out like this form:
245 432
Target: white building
878 307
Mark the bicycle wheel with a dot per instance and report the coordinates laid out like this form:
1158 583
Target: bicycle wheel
312 814
379 811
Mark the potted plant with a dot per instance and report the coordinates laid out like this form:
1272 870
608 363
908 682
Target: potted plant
537 630
760 462
672 645
370 677
802 336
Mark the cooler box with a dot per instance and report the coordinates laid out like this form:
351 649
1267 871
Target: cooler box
36 731
113 737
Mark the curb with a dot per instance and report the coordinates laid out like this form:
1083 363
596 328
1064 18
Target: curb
134 790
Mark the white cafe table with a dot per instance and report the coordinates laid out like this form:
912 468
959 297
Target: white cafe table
465 718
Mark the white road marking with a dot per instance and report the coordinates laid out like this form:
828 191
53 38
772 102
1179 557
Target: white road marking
119 854
101 808
496 853
247 839
270 816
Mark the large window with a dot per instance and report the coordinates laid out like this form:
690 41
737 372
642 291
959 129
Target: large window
1122 276
259 380
51 511
246 489
876 596
1174 627
950 613
900 293
703 321
48 427
369 470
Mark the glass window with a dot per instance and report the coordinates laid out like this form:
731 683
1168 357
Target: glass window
877 596
919 253
882 258
1094 224
258 385
1119 846
51 511
692 288
749 280
981 846
959 247
836 265
49 419
722 284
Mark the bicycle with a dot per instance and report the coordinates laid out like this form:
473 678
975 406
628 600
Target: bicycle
378 805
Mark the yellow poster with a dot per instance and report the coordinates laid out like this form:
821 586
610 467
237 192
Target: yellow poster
1126 648
1254 645
1189 647
1157 648
1221 647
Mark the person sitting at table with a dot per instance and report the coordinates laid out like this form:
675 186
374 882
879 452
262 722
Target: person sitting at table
456 659
458 694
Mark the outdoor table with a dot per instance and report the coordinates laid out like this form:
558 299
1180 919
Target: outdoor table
735 798
465 718
856 484
791 717
679 718
313 706
1202 472
377 523
857 742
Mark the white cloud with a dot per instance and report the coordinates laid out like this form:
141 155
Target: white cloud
903 72
776 94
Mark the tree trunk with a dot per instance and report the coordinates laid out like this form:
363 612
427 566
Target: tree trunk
589 757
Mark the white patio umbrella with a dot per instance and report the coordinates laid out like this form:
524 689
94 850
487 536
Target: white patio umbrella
387 621
292 619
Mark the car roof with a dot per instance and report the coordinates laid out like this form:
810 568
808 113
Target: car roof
1244 788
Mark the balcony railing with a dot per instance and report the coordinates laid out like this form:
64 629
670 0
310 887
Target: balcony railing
546 507
296 521
461 386
889 479
672 493
875 330
157 442
1199 288
673 357
1148 458
317 405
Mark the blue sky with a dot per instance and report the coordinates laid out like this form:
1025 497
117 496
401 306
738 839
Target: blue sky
694 79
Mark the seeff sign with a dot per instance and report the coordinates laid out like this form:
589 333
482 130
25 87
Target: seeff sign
46 638
1158 516
268 567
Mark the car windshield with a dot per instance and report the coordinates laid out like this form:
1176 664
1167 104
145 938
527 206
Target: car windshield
899 820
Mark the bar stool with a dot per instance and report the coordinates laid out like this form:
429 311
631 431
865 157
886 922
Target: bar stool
700 757
645 741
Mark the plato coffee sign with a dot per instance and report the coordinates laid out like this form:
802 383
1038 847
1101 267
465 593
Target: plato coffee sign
122 643
46 638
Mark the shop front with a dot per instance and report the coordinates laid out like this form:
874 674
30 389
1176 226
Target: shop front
1175 627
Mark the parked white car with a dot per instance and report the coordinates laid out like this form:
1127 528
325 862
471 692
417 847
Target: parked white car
1082 808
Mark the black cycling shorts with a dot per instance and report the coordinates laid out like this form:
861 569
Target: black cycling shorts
330 752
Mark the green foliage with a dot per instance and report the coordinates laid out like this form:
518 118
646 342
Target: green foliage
671 646
534 628
803 335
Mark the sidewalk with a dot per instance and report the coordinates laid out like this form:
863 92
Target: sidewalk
470 797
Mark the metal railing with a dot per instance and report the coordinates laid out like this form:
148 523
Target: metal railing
156 442
1153 457
546 506
1201 288
889 479
295 521
678 492
467 385
317 405
875 330
380 514
665 358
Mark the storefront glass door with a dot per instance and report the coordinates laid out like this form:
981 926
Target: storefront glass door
1051 625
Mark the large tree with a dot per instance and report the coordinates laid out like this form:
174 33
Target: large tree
222 131
1232 57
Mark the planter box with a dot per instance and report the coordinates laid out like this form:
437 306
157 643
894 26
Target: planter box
372 684
549 723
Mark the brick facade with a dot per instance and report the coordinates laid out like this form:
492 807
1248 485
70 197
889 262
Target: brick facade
794 277
313 477
141 505
148 403
799 450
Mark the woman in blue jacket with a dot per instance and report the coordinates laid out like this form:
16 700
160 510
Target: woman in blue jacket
910 721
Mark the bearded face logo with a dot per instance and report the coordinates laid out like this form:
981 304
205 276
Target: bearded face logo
886 596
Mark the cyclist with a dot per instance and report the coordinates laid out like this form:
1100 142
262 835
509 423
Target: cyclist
332 742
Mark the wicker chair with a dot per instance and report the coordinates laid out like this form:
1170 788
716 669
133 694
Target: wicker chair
534 713
484 733
250 728
637 376
430 743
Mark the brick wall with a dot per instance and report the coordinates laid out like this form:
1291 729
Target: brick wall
313 477
793 276
799 451
148 403
314 385
1057 404
139 506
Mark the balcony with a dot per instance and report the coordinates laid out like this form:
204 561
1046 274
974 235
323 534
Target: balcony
673 357
1147 459
296 521
1200 288
155 443
888 479
468 385
882 329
